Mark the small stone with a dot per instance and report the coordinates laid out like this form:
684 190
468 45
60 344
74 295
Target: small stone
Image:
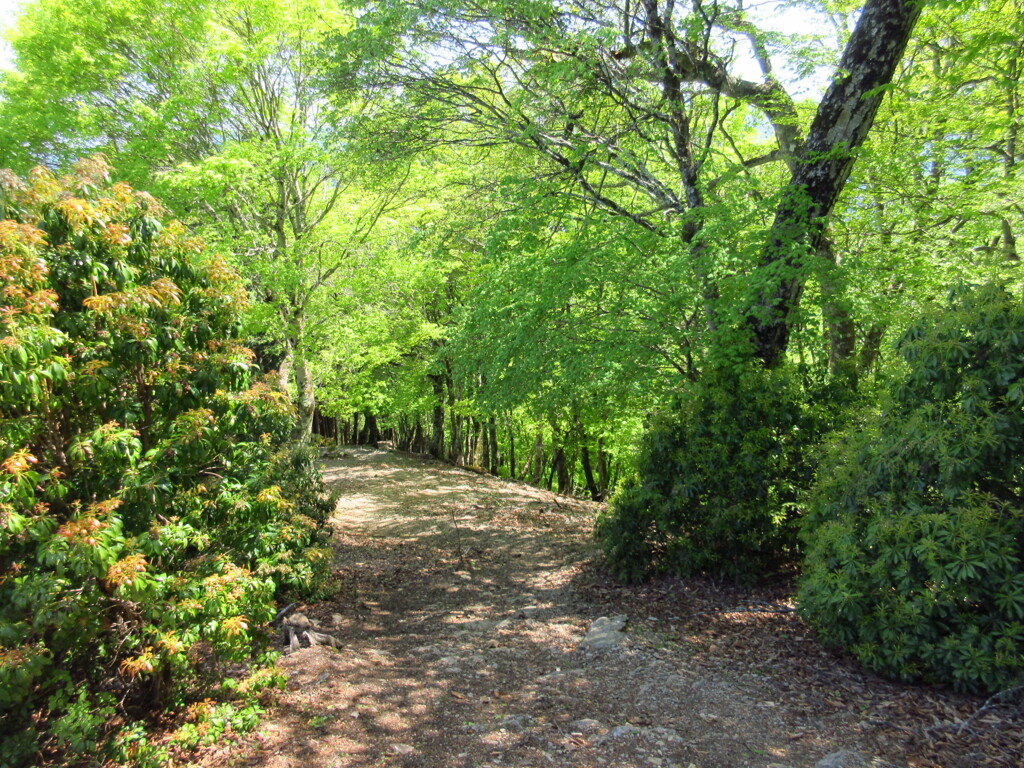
621 732
587 725
515 722
605 633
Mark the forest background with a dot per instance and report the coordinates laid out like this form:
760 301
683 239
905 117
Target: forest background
401 281
756 284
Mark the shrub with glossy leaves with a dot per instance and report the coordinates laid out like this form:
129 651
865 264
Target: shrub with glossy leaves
717 481
150 508
916 530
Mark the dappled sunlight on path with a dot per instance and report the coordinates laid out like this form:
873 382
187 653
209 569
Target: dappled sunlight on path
460 605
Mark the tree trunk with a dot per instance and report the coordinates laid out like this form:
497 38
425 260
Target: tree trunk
841 330
372 431
1009 242
307 397
474 437
455 448
325 426
559 469
602 467
404 439
465 432
284 372
437 427
511 451
870 348
534 469
840 126
493 464
588 472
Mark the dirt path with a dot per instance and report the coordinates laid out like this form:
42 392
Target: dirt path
461 608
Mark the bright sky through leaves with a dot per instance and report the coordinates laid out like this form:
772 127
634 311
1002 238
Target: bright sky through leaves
8 12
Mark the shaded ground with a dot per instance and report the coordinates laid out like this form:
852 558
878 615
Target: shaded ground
461 607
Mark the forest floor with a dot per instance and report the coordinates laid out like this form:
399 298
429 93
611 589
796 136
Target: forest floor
462 604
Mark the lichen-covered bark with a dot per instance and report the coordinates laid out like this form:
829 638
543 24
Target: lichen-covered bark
840 126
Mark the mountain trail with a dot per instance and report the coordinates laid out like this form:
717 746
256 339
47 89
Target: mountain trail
473 626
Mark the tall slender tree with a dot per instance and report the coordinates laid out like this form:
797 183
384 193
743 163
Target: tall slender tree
217 106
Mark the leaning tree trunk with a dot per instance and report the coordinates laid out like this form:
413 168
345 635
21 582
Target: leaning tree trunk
840 126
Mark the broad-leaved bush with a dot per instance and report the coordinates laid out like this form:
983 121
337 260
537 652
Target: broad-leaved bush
718 481
151 509
916 527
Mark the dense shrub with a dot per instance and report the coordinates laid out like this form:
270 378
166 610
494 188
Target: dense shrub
916 530
150 509
717 483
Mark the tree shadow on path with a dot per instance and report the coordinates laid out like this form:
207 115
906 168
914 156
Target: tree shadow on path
461 602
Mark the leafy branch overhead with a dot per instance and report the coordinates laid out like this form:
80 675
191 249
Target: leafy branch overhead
632 105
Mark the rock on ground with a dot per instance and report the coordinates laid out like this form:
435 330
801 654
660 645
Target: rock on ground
605 633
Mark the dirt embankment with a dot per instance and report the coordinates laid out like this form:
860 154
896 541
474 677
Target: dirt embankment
462 608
